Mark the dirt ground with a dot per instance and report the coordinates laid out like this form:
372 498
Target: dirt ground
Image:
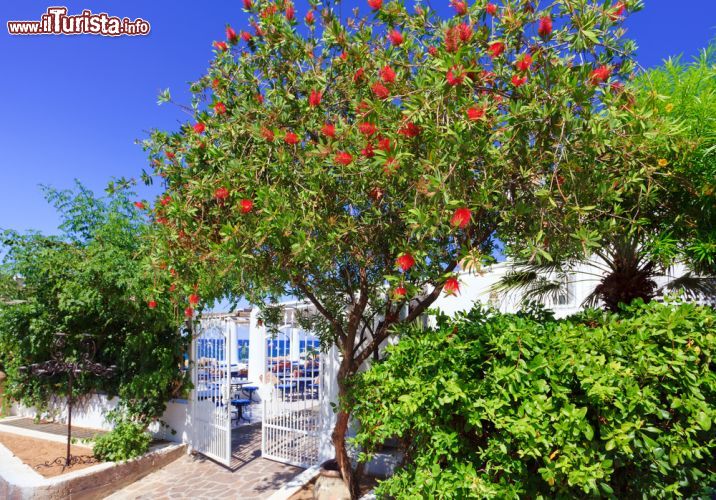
35 452
306 493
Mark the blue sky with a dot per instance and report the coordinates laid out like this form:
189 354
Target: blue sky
74 105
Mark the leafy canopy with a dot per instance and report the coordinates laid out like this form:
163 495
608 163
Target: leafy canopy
329 157
89 279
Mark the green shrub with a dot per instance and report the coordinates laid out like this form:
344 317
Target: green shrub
127 440
494 405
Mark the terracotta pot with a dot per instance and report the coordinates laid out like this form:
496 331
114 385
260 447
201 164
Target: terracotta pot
329 484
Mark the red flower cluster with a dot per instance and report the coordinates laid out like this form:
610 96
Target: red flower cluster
380 90
267 134
193 299
545 26
246 206
291 138
464 32
459 6
219 108
152 304
375 4
367 128
452 286
461 217
199 128
344 158
405 261
474 113
329 130
617 11
600 74
188 312
358 74
396 37
165 200
221 46
455 76
310 17
523 64
140 205
221 193
247 4
400 292
518 81
246 36
491 9
409 130
368 151
387 74
290 12
259 98
231 35
384 144
496 49
315 98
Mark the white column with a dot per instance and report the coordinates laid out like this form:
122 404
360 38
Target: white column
295 344
257 348
231 356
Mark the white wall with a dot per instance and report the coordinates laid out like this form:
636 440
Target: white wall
90 412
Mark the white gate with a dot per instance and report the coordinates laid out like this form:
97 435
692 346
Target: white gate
211 376
292 395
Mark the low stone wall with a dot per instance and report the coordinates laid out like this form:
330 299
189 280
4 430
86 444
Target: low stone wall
19 482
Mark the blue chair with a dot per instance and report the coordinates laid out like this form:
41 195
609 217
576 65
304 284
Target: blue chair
250 390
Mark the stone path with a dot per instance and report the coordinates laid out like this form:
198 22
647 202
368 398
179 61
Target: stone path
196 477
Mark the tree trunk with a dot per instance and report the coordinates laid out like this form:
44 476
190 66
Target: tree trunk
340 429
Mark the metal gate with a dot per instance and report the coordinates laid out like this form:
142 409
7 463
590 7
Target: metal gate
211 376
292 395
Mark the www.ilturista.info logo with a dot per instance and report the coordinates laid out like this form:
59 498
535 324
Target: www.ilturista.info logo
56 22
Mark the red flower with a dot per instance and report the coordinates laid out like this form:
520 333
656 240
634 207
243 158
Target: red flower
496 49
267 134
367 128
152 304
524 63
193 299
290 12
387 74
400 292
376 193
162 220
375 4
219 108
215 83
464 31
384 144
247 4
246 36
358 74
460 7
368 151
221 193
315 98
260 98
380 90
170 155
617 11
518 81
231 35
451 39
291 138
362 107
409 130
329 130
246 206
165 200
188 312
405 261
199 128
453 77
173 287
221 46
452 287
545 26
310 17
491 9
140 205
461 217
344 158
474 113
432 50
390 165
600 74
396 37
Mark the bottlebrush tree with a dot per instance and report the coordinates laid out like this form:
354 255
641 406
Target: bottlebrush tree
359 162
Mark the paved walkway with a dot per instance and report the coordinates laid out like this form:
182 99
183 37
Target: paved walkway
195 477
